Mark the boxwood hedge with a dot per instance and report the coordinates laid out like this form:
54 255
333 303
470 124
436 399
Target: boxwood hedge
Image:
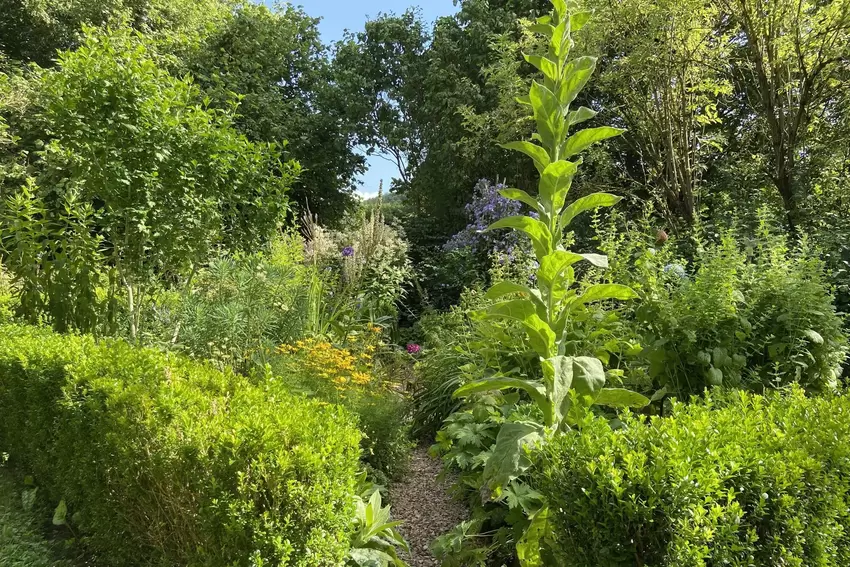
163 461
737 480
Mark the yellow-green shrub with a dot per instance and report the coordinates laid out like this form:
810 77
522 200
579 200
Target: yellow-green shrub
163 461
736 480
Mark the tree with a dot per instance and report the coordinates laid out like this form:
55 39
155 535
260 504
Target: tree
133 185
664 71
797 53
36 30
382 70
276 64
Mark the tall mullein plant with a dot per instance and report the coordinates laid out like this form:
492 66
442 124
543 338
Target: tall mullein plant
570 384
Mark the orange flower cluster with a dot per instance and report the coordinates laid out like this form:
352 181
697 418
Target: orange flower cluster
338 365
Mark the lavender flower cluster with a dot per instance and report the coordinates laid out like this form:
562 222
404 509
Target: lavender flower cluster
487 207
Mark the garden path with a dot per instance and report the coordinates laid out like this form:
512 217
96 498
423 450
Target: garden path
425 506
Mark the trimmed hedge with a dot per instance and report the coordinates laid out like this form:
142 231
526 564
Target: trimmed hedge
163 461
737 480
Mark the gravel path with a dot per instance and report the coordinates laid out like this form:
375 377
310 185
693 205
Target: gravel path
424 505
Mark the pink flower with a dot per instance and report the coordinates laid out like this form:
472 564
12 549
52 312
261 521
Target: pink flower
413 348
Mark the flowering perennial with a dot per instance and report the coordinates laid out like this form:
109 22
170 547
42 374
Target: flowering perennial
340 366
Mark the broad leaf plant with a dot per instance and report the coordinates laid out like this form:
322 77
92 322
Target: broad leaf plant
569 384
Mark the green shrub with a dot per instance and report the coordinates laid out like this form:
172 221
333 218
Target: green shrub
7 297
744 313
740 479
240 308
162 461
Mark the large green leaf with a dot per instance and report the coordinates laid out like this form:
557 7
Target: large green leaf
545 65
522 197
588 203
578 116
552 265
555 183
620 398
533 388
601 292
547 113
588 375
540 335
558 378
502 289
579 19
583 139
578 72
509 459
528 547
539 233
516 309
535 152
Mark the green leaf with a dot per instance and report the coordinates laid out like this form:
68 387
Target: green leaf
528 547
502 289
590 202
509 459
558 378
522 197
588 375
555 183
553 265
620 398
813 336
532 388
579 19
578 73
60 513
580 115
545 65
543 29
535 152
583 139
601 292
598 260
547 113
540 335
539 233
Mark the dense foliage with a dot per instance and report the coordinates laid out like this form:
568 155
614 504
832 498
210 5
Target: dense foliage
247 350
736 479
160 459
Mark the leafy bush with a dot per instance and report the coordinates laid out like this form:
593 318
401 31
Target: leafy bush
134 183
746 312
240 308
164 461
739 479
370 267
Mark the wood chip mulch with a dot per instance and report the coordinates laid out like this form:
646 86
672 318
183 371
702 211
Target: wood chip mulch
425 506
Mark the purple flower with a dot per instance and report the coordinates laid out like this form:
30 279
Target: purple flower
487 207
413 348
348 251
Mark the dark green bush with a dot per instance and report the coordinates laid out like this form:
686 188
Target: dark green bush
163 461
739 479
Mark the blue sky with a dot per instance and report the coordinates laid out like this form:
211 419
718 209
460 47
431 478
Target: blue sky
339 15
